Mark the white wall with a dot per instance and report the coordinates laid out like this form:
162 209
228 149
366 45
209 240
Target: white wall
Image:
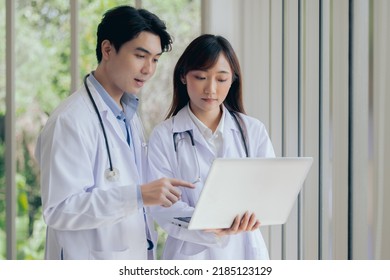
316 73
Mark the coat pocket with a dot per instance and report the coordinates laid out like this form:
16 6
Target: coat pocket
112 255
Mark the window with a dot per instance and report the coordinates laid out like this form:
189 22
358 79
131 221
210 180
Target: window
43 78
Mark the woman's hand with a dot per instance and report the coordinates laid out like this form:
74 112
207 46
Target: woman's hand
248 222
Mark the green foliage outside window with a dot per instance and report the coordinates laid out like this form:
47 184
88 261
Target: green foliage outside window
43 80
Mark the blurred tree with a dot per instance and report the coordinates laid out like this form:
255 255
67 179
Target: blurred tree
182 18
43 80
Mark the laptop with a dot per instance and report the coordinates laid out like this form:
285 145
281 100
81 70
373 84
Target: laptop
267 187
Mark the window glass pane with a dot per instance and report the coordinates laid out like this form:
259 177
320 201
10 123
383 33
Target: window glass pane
182 18
42 42
2 132
90 15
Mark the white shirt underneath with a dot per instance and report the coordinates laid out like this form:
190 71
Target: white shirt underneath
214 140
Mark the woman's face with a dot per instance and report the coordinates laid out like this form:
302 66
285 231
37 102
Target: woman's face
207 89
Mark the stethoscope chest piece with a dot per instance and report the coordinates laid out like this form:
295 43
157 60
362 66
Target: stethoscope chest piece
112 175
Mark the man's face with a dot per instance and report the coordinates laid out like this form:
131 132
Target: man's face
135 63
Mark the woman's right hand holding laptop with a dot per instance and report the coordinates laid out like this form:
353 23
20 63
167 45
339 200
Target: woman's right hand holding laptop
248 222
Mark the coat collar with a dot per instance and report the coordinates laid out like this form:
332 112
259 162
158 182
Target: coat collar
182 121
100 104
129 101
104 111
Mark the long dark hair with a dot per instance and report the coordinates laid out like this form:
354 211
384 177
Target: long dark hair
201 54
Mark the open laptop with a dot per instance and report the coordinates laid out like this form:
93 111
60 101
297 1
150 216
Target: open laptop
267 187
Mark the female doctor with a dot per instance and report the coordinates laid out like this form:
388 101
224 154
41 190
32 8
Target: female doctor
207 120
92 154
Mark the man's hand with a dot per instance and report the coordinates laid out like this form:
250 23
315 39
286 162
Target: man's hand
163 192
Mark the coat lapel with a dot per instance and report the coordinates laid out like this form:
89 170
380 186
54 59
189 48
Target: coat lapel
183 122
232 144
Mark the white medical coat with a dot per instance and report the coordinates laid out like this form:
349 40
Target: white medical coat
164 161
87 216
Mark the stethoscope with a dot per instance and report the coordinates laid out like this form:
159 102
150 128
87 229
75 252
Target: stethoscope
111 174
195 153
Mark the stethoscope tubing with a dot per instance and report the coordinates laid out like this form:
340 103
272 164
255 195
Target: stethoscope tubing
175 134
100 121
191 137
241 132
189 132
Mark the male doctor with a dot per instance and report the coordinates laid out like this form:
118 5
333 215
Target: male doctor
92 153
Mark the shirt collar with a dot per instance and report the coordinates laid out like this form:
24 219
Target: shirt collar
129 101
205 131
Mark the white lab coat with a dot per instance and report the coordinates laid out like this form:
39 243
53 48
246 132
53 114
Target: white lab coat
87 216
164 161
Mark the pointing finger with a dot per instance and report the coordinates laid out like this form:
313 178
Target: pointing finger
175 191
181 183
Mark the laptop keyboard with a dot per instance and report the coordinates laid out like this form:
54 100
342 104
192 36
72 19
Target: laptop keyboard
183 219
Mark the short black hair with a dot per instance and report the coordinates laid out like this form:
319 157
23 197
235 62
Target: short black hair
123 23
